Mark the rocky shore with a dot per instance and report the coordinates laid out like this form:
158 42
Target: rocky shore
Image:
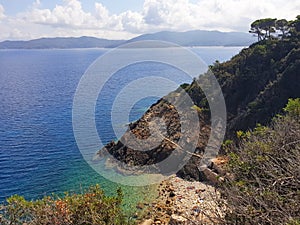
160 133
183 202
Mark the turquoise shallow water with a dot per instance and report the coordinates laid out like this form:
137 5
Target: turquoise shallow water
38 151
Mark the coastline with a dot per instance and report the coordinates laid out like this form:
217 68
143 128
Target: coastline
183 202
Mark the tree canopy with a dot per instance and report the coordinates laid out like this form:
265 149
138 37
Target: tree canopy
274 28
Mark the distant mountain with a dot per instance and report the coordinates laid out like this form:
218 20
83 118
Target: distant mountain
189 38
200 38
61 42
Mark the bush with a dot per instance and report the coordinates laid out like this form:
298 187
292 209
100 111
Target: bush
264 186
293 107
93 208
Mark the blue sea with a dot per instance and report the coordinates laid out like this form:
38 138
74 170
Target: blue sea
38 151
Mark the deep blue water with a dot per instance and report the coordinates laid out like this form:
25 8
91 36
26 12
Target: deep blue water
38 151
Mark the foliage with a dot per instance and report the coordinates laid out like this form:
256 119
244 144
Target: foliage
256 83
283 26
264 28
263 180
260 50
264 185
295 24
293 107
92 207
197 108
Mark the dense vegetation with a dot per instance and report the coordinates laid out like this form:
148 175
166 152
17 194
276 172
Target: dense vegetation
264 185
90 208
257 82
267 28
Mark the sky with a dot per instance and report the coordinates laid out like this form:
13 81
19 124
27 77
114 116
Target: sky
124 19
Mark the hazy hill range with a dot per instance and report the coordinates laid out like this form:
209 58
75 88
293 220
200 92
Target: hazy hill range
61 43
200 38
189 38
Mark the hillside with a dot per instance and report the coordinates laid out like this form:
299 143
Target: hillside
257 82
256 85
264 171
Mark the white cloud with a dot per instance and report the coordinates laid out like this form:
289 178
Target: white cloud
70 19
166 13
2 15
101 12
132 22
215 14
154 11
69 14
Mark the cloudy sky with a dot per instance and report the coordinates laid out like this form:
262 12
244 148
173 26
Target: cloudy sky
122 19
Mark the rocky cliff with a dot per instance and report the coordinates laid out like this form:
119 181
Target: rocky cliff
256 85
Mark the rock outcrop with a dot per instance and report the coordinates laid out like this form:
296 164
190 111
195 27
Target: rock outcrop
256 85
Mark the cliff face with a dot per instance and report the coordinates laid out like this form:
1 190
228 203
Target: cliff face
172 139
256 85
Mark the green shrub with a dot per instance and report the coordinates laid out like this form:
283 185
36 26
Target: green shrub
260 50
92 207
264 186
293 107
197 108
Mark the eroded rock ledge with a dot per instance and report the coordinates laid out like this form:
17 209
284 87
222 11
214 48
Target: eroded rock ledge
169 136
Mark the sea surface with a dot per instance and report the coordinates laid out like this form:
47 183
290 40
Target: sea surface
38 151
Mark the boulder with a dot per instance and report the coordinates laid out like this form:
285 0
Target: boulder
211 176
178 220
147 222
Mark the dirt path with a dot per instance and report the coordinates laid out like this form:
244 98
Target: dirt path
183 202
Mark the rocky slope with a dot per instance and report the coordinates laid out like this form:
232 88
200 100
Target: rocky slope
183 202
256 85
